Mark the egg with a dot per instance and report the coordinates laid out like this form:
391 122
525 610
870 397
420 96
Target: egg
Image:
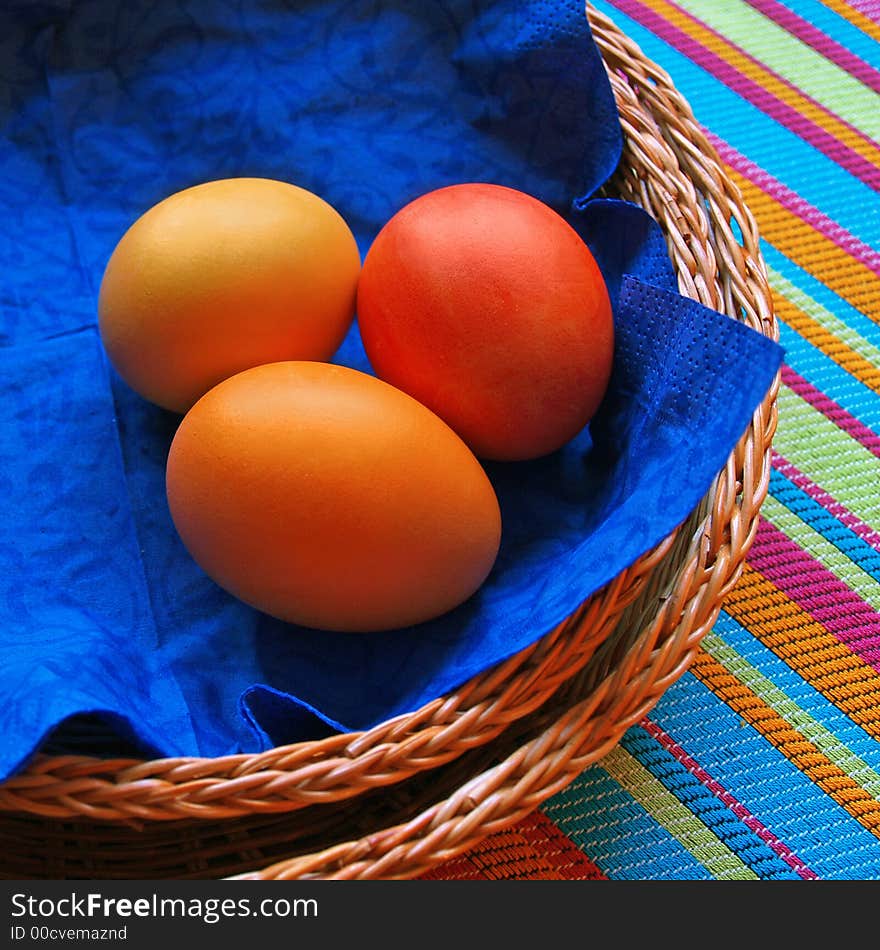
223 276
327 498
484 304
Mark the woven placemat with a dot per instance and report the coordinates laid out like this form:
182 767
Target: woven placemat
763 760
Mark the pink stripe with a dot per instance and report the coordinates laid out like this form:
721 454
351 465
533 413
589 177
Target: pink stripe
817 591
778 110
831 410
867 8
791 201
833 507
736 806
821 42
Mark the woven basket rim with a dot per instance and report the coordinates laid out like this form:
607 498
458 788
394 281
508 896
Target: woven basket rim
726 273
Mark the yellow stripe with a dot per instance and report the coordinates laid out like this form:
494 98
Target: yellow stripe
833 347
798 718
759 74
792 59
791 742
811 250
808 648
846 12
825 330
676 818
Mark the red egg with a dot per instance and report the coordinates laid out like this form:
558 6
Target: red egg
486 306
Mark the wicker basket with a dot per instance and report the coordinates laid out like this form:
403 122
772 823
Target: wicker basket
397 800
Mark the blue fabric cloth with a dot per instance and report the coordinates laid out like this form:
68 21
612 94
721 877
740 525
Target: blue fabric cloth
105 109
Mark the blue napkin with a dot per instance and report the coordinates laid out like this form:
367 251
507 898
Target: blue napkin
106 624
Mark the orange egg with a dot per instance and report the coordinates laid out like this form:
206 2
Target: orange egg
221 277
327 498
485 305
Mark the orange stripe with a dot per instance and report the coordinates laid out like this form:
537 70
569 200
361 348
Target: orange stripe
823 339
857 19
810 249
533 849
789 741
807 647
768 80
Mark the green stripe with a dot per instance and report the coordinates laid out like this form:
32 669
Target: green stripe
824 317
817 545
674 817
831 458
770 694
792 59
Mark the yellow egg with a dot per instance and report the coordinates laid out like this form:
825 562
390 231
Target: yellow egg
328 498
224 276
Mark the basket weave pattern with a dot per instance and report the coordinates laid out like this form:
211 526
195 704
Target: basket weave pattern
496 748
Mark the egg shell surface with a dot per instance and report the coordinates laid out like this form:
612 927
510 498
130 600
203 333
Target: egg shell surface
484 304
223 276
327 498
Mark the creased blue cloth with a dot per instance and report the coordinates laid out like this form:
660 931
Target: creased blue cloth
106 108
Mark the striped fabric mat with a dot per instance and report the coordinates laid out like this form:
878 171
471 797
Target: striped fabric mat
763 760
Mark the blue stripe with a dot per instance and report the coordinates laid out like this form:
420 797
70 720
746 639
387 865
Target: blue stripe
838 29
604 820
812 513
800 692
803 169
818 830
831 378
827 298
695 796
